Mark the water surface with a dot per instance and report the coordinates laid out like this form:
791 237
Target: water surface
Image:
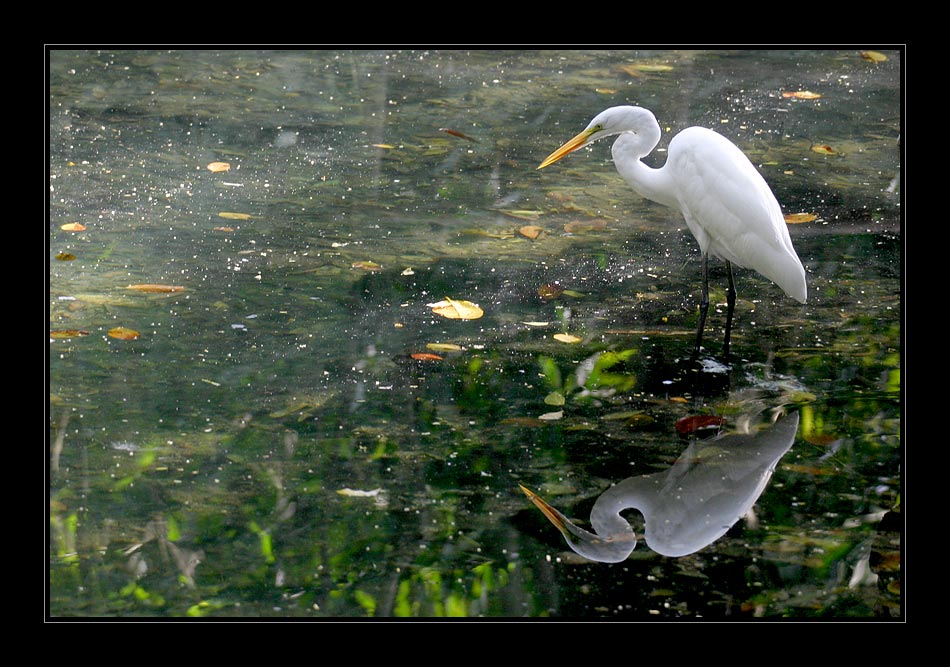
279 440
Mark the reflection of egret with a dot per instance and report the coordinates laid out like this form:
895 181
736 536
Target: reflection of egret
727 204
687 507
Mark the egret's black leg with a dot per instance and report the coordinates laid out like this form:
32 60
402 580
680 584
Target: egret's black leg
730 307
703 304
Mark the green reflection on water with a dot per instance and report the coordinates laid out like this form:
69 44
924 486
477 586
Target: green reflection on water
198 470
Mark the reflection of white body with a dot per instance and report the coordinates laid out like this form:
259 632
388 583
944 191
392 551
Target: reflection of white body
687 507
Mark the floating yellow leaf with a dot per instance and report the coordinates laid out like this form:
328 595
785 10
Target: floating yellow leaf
386 146
444 347
873 56
215 167
824 149
65 256
234 216
222 229
536 324
367 266
156 288
567 338
67 333
123 333
457 310
530 231
798 218
802 95
73 227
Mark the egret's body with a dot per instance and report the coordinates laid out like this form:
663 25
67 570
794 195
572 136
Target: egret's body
728 206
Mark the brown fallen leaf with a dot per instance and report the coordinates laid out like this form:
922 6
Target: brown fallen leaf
530 231
73 227
824 149
65 256
425 356
550 291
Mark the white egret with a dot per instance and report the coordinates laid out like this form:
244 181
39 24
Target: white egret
728 206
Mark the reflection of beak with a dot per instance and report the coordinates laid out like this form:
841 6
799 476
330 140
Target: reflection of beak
569 147
559 520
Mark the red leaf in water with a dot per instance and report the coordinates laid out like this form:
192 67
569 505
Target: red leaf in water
697 424
425 356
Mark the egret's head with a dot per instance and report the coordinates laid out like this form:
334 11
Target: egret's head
614 120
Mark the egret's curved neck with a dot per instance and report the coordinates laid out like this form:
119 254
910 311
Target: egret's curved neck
654 184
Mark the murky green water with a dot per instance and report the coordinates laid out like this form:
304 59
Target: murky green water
273 444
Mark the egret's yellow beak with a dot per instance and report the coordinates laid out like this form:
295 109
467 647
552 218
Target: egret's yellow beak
559 520
569 147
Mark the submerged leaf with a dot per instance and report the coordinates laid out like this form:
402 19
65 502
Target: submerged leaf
229 215
554 398
216 167
567 338
73 227
425 356
156 288
824 149
359 493
521 215
455 133
367 266
123 333
65 256
578 226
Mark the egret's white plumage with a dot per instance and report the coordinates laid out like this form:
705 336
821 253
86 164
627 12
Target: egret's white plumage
728 206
